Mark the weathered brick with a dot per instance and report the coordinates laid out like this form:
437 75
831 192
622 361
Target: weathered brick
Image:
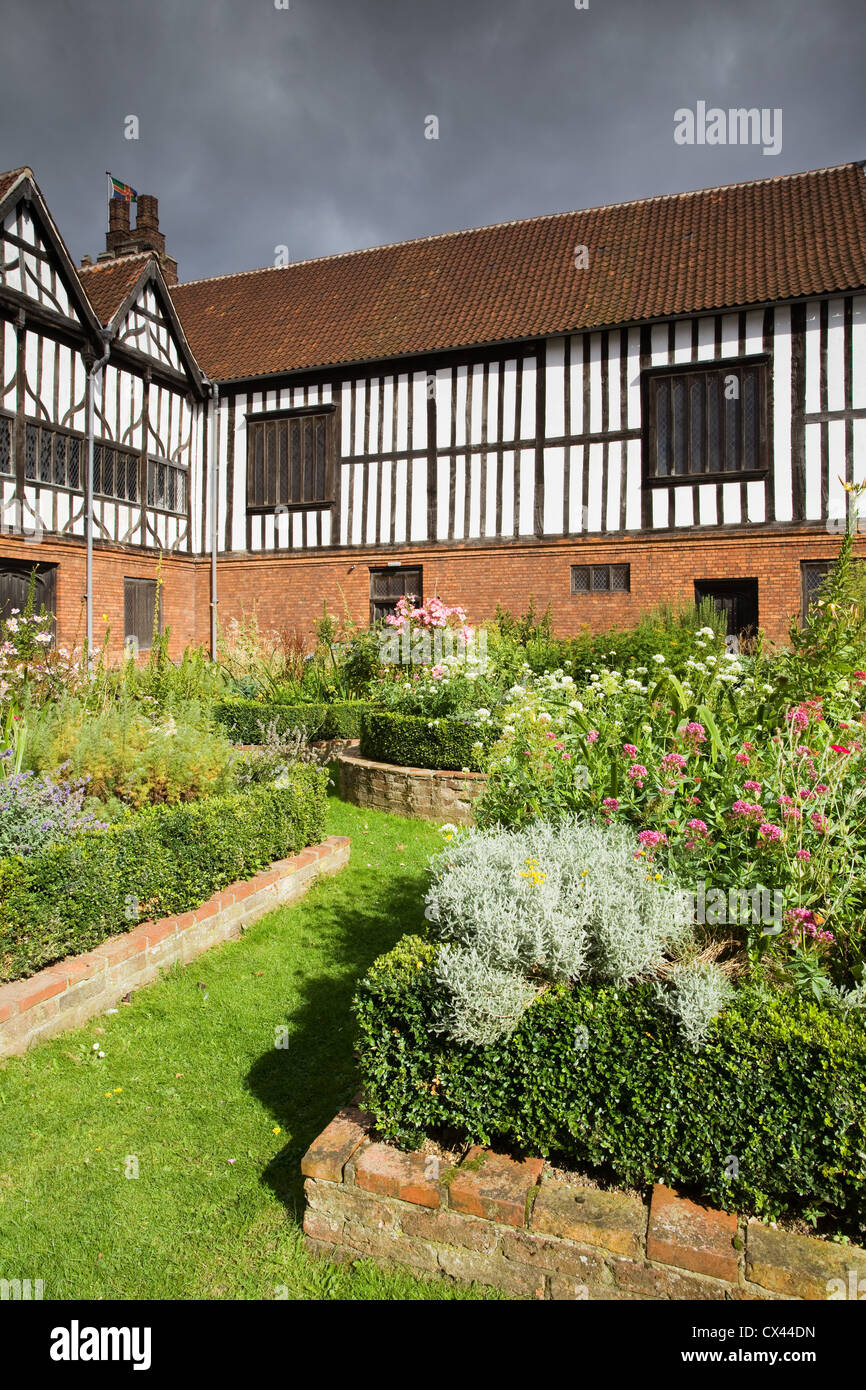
803 1267
340 1202
690 1236
391 1247
494 1186
553 1255
391 1173
656 1281
606 1220
326 1156
471 1268
450 1228
322 1227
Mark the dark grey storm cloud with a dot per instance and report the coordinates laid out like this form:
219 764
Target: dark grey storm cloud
262 126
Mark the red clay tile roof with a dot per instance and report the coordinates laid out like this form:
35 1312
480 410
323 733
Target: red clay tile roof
778 238
11 177
107 283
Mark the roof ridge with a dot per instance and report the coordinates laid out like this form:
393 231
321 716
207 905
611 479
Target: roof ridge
520 221
116 261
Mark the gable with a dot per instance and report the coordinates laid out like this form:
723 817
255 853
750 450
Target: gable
146 328
30 265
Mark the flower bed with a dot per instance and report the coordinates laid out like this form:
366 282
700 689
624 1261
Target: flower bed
163 860
768 1116
64 996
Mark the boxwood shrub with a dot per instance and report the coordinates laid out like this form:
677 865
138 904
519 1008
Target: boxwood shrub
157 862
605 1079
413 740
245 720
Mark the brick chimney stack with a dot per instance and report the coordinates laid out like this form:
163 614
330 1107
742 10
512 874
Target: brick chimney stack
122 240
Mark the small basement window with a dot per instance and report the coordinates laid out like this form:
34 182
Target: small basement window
139 601
389 585
813 573
600 579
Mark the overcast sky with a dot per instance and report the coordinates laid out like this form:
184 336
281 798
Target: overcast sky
261 127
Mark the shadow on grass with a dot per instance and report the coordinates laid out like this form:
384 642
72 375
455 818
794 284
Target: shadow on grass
305 1084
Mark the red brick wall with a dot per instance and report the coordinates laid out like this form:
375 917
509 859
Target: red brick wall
288 591
111 566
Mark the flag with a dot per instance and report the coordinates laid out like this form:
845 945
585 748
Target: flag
122 190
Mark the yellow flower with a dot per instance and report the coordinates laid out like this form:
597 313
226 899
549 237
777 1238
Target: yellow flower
108 1095
117 1090
277 1130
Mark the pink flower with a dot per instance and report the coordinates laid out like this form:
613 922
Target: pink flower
752 787
674 760
798 718
768 831
742 758
566 757
803 854
840 748
820 821
550 736
629 750
821 788
559 746
698 826
694 733
651 838
791 813
592 736
610 803
747 809
636 773
860 675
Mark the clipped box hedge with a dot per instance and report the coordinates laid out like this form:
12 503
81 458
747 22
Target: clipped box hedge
158 862
605 1078
412 740
246 720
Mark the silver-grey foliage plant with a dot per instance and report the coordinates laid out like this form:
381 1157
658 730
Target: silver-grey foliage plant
696 992
564 902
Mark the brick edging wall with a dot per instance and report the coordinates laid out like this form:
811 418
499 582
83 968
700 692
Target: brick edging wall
424 792
65 995
501 1222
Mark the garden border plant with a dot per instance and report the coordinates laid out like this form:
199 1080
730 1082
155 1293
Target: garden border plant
163 860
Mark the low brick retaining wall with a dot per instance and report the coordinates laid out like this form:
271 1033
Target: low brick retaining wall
496 1221
65 995
409 791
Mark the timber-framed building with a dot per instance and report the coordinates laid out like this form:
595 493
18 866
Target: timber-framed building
601 410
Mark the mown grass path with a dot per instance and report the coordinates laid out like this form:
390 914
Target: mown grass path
192 1087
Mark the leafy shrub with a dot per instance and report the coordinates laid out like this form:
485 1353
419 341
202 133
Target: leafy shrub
248 721
606 1078
166 859
37 811
125 751
409 740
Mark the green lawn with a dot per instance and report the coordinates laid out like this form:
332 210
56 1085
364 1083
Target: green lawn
193 1087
